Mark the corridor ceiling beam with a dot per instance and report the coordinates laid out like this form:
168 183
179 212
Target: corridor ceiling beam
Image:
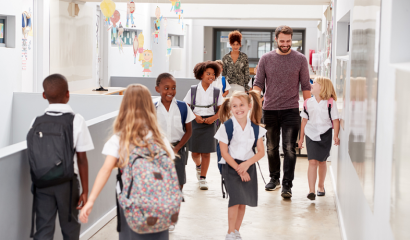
278 2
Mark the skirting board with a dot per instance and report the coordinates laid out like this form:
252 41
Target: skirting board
98 225
338 207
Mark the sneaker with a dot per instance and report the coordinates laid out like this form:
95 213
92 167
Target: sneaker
230 236
286 191
198 172
273 184
171 227
237 235
203 185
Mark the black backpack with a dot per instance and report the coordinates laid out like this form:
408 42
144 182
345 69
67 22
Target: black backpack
50 151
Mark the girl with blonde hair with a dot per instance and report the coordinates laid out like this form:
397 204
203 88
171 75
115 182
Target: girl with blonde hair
239 153
136 126
319 115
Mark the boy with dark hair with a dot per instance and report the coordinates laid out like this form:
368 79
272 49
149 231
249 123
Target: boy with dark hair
57 143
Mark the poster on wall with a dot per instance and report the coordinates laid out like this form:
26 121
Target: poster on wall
1 30
147 62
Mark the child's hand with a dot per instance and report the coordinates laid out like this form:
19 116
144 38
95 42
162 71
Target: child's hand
82 201
245 177
199 119
242 168
85 212
176 149
337 141
209 120
300 143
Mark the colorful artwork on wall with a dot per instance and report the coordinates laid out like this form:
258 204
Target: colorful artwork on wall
135 48
140 46
130 13
107 8
169 49
1 30
147 62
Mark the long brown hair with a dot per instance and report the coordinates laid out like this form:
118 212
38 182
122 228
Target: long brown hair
137 116
253 97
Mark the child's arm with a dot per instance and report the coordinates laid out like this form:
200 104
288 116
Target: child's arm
185 138
100 181
198 118
243 167
225 93
225 154
336 127
302 133
83 169
213 118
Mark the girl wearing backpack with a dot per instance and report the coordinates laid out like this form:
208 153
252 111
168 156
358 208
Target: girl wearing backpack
204 100
137 142
319 115
240 173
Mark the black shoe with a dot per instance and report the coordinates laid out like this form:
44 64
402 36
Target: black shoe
286 191
272 185
311 196
321 194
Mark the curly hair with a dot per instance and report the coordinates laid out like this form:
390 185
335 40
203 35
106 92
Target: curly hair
235 36
200 68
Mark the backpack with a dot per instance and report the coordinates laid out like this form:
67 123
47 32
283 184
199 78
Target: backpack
329 108
229 131
150 195
183 109
50 151
223 84
194 89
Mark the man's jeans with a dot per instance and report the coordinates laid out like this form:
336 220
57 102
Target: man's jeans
289 121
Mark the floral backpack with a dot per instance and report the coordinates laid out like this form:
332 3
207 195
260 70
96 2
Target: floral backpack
150 195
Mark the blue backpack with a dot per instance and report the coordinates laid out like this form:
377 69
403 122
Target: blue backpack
223 84
183 109
229 131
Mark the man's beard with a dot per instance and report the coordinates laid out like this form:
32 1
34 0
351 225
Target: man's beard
284 51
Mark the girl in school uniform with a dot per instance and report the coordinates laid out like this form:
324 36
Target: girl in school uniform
204 102
318 114
240 173
135 123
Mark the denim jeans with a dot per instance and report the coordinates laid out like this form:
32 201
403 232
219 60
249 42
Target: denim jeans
289 122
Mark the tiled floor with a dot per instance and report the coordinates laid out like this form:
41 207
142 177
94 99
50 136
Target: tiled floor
204 214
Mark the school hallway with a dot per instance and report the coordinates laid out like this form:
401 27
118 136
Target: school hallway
204 213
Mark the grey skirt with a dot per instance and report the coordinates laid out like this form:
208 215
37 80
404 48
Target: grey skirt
239 192
319 150
180 163
127 233
202 139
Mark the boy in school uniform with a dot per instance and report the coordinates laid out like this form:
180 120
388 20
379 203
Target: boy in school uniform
64 198
174 118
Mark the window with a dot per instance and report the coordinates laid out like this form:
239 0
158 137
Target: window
176 41
127 37
255 43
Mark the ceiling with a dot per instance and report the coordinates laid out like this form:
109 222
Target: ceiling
280 2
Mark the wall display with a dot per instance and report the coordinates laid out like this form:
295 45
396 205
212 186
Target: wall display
363 94
147 62
26 23
140 46
1 31
120 42
176 7
165 24
114 19
157 24
107 8
169 49
135 48
130 13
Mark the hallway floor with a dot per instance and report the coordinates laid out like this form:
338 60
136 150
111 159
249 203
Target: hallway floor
204 213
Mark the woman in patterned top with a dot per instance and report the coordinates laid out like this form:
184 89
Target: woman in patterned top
236 65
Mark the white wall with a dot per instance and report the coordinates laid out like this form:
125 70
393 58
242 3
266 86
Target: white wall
10 73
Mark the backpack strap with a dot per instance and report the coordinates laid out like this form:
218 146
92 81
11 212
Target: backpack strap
256 132
216 98
33 211
329 108
305 107
229 129
119 180
183 109
223 84
194 89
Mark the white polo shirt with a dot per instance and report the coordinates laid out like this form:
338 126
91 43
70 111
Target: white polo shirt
218 83
204 98
81 135
170 121
319 121
112 146
242 141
